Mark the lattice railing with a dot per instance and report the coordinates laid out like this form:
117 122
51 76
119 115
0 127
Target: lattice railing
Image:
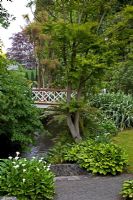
49 96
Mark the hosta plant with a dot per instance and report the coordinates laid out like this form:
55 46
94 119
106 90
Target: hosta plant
98 158
127 189
26 179
104 159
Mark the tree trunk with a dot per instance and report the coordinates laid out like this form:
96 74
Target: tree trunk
76 136
73 124
77 114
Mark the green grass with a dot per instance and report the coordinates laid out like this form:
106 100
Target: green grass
125 140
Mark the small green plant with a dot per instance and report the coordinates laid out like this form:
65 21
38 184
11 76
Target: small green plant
101 158
26 179
57 153
107 126
127 189
103 138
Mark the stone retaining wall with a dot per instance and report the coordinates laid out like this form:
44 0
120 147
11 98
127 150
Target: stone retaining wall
67 170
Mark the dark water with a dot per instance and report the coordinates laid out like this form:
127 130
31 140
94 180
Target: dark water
7 147
40 149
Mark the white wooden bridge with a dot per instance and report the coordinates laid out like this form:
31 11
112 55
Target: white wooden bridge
44 97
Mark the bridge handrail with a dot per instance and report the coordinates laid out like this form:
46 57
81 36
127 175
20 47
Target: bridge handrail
49 95
49 89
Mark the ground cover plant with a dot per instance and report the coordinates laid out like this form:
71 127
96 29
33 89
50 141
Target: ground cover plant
127 189
125 140
26 179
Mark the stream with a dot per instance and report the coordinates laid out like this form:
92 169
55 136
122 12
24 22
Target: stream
40 149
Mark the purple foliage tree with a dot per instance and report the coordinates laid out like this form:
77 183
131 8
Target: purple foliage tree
22 50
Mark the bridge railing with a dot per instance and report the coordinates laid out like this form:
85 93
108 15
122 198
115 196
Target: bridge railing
48 95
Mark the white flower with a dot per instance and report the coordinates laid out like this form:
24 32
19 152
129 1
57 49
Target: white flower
23 165
10 157
14 162
40 161
16 158
24 170
16 166
33 157
17 153
48 168
23 180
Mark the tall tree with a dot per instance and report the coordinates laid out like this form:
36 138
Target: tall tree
44 51
78 39
22 50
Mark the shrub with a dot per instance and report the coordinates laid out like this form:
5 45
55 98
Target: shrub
101 158
117 106
26 179
19 118
127 189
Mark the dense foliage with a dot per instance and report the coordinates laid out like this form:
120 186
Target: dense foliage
101 158
127 190
19 119
95 123
123 79
117 106
26 179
